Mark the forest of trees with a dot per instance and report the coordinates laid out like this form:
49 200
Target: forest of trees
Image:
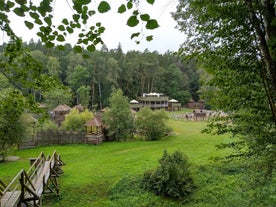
89 81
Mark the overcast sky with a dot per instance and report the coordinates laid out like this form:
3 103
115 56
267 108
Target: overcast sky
165 38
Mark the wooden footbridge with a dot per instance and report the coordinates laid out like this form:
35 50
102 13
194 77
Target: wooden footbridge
27 187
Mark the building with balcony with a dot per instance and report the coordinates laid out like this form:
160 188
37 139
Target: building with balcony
155 101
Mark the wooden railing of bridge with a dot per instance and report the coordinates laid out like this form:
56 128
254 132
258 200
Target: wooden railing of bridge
27 187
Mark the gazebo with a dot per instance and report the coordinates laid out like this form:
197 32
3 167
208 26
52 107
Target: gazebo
173 105
94 131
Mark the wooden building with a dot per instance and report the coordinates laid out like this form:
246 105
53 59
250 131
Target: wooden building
154 101
94 131
196 104
173 105
58 113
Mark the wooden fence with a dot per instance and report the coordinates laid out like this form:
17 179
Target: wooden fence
44 138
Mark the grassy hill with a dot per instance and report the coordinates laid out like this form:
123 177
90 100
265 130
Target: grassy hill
108 174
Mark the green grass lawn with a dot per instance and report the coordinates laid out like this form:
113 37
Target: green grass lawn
106 174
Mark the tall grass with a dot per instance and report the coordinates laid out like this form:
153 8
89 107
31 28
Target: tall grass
108 174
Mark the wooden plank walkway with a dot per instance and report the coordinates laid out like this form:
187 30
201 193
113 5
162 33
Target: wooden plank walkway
10 198
29 186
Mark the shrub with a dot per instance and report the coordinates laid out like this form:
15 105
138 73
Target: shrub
152 124
172 178
75 120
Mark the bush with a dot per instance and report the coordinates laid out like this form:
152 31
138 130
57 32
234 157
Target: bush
152 124
75 120
172 178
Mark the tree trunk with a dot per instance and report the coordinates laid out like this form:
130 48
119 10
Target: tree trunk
266 34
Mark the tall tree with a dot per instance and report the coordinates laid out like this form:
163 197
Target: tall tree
119 118
12 127
235 42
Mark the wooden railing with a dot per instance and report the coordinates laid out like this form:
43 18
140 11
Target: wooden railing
28 186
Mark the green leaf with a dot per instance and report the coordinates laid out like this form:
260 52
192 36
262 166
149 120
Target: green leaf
149 38
83 2
10 4
135 35
135 12
21 2
49 44
91 12
61 47
152 24
76 17
65 21
60 38
103 7
19 12
151 1
61 28
28 24
145 17
129 5
91 48
48 20
34 15
69 29
101 30
122 9
85 56
132 21
77 49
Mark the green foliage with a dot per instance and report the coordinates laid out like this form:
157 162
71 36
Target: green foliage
84 94
152 124
46 125
119 118
172 178
57 96
128 191
13 127
75 120
40 15
241 70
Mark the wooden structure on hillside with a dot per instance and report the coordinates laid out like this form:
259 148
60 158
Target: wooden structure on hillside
94 130
27 187
58 113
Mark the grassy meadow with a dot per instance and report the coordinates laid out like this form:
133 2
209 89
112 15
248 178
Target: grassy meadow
108 174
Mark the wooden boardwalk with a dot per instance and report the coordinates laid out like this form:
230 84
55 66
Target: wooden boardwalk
26 188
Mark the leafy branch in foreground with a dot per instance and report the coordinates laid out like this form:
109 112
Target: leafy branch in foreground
41 15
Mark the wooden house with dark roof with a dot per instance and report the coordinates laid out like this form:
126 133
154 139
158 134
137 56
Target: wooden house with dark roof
58 113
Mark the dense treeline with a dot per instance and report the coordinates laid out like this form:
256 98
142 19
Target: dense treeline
92 79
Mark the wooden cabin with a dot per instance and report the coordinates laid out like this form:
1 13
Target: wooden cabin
94 131
58 113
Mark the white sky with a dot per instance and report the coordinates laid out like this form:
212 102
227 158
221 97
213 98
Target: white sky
165 38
